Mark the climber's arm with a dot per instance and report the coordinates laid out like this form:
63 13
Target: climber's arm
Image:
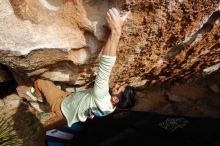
115 23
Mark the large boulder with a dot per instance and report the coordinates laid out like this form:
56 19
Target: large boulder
61 40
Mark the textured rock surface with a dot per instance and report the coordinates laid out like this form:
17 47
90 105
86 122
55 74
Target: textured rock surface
196 98
61 40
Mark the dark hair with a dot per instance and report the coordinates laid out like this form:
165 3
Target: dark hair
127 99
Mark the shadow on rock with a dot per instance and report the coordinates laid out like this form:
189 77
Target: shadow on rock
7 88
28 126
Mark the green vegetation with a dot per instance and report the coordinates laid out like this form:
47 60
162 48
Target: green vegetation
8 136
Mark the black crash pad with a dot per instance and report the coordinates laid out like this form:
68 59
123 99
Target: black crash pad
148 129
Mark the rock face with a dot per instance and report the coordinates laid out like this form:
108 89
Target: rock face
61 40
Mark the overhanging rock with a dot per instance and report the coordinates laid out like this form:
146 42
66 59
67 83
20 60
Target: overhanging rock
61 40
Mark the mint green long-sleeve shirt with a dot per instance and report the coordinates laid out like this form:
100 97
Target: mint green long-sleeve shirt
92 102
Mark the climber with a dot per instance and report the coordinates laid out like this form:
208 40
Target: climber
96 101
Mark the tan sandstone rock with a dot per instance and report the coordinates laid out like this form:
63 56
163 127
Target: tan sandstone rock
61 40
